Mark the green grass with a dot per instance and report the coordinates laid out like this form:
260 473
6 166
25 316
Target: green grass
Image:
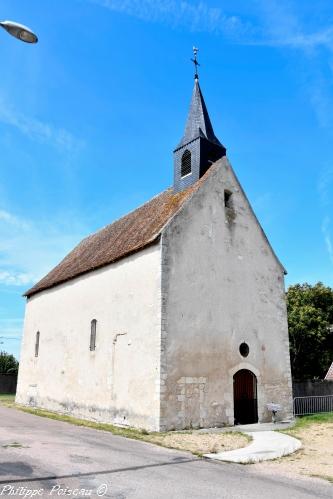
133 433
15 444
302 422
240 433
7 398
115 430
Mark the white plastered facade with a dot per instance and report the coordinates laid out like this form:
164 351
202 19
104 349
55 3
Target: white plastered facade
222 285
170 320
119 381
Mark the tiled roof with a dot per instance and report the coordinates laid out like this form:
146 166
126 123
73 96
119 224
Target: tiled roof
127 235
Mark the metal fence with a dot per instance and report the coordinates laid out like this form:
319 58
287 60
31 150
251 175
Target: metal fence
312 405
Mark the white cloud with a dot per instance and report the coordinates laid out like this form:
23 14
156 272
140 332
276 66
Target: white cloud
197 16
29 249
306 42
38 130
322 38
284 27
11 328
281 26
278 25
11 219
14 278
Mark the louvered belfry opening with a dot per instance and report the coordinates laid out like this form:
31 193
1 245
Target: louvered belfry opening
199 148
186 166
245 397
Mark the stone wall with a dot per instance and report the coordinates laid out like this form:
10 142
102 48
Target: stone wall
221 285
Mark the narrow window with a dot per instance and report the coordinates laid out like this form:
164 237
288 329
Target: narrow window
37 344
93 335
228 199
186 167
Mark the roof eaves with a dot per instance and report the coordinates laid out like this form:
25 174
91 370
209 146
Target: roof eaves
151 241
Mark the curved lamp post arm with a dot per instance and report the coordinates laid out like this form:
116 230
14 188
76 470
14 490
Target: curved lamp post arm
19 31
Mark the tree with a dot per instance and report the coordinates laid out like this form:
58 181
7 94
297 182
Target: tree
8 363
310 321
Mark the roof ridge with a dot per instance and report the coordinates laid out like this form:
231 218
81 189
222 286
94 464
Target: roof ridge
126 214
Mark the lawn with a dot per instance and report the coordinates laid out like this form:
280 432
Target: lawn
192 441
308 421
7 398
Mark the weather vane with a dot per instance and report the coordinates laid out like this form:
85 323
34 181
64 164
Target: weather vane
195 62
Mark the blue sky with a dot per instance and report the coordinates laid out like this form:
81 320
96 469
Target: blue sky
90 115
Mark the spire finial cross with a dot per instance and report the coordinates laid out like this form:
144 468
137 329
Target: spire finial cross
195 62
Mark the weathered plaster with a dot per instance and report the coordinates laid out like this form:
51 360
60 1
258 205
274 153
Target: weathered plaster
170 320
119 381
221 285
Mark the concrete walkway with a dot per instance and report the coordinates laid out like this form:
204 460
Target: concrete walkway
265 445
280 425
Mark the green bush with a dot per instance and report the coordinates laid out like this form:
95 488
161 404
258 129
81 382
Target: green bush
8 363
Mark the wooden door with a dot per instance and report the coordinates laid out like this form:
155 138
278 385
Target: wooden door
245 397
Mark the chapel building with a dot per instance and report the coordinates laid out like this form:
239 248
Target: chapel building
172 317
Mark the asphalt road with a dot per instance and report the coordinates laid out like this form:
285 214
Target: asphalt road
52 459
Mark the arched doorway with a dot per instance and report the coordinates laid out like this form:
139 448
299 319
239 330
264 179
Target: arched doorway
245 397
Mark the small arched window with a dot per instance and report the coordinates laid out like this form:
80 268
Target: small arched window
37 344
244 349
93 335
186 166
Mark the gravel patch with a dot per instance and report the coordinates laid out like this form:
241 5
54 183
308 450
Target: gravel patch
314 459
203 443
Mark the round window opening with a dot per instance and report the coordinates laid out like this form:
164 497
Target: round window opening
244 349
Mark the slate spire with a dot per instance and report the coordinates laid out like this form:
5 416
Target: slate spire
199 147
198 123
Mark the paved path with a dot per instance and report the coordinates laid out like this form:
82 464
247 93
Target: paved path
56 454
265 445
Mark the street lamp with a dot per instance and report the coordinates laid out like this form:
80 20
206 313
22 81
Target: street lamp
20 31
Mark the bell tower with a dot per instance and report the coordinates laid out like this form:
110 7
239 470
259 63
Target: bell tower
199 147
